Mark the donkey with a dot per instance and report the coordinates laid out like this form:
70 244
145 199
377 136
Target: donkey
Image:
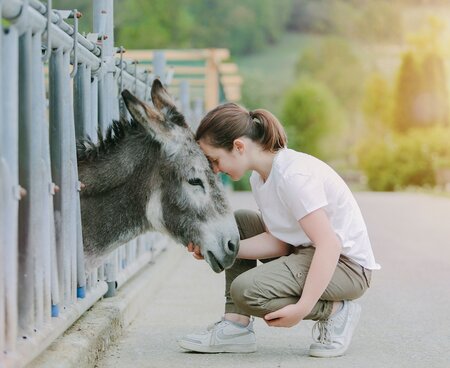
150 174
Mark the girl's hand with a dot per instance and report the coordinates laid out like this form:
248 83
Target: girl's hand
196 250
287 316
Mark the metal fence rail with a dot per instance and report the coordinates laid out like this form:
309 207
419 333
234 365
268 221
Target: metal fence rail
55 86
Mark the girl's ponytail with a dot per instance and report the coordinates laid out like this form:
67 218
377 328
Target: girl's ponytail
222 125
270 133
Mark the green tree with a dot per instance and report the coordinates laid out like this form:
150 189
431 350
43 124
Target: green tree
421 95
244 26
83 6
379 21
423 99
313 119
434 91
407 90
153 24
355 19
377 105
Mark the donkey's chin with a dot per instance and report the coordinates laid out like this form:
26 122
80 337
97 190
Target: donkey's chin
214 262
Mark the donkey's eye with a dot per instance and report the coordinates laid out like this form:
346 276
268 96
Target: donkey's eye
196 181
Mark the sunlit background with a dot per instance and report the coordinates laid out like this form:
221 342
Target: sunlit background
362 84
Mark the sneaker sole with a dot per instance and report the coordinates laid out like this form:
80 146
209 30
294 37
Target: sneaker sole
231 348
322 353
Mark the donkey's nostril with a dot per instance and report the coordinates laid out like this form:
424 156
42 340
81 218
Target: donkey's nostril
231 248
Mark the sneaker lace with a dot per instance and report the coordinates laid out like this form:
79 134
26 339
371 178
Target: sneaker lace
212 325
323 330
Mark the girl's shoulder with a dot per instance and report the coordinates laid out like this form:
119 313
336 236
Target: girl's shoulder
290 162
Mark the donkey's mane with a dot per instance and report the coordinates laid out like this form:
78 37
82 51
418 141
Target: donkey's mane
87 150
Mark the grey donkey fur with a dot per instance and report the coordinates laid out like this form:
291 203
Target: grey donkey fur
150 174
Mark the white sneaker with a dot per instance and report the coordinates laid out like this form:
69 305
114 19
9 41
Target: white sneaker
335 333
222 337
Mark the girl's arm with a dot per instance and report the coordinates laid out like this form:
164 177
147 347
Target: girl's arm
262 246
328 248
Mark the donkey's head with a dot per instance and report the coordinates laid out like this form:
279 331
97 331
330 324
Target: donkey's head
150 174
185 198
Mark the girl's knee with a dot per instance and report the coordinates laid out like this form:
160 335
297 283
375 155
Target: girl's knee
246 294
238 290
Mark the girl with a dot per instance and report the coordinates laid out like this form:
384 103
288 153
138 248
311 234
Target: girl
309 234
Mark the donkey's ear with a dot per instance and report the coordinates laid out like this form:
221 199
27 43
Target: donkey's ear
160 96
149 118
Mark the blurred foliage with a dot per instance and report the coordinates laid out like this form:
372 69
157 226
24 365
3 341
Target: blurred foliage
408 134
313 119
83 6
421 93
377 104
335 66
334 63
242 26
152 24
402 160
243 184
407 92
370 21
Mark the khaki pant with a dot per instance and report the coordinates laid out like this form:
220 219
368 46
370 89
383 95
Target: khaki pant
256 291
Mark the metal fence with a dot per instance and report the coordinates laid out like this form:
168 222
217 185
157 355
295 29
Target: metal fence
55 86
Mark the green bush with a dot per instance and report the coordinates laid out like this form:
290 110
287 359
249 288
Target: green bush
399 161
243 184
313 119
413 166
375 160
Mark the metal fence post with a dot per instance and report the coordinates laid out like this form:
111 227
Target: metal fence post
82 101
197 113
3 194
185 101
3 191
159 66
29 205
10 178
39 128
93 126
103 25
61 117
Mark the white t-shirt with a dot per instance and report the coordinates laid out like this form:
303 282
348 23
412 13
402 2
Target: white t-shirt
299 184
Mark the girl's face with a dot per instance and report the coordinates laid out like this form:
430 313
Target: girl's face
231 162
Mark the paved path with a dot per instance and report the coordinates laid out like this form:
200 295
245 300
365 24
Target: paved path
406 313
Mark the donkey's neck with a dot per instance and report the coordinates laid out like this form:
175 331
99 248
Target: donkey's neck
110 171
113 217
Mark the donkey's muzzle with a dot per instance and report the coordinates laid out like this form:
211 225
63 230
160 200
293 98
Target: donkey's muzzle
214 262
223 259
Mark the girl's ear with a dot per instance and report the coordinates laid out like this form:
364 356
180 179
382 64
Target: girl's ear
239 145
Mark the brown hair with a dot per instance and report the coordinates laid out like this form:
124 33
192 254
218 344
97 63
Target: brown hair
227 122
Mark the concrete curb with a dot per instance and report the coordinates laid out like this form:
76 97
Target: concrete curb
89 337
